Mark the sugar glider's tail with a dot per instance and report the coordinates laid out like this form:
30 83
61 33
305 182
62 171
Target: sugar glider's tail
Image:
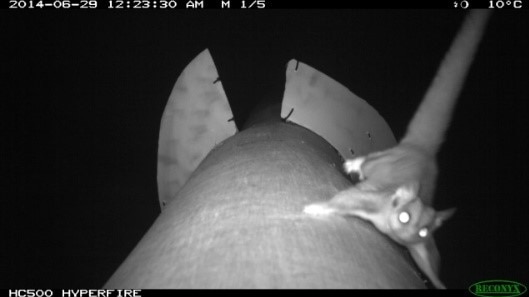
431 120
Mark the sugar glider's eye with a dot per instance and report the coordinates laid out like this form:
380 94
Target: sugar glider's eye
404 217
423 232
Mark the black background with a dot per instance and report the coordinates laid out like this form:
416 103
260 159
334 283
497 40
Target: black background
83 94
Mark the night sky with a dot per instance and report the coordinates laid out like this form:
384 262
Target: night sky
83 94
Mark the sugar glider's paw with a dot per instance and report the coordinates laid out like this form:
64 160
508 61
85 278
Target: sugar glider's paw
354 166
319 209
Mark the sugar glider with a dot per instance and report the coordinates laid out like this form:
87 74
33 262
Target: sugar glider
396 186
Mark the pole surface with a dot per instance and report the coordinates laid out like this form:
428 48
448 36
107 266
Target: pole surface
238 223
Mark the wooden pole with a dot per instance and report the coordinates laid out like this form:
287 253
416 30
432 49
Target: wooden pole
238 223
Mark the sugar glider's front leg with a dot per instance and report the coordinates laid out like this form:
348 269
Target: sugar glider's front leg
426 256
372 206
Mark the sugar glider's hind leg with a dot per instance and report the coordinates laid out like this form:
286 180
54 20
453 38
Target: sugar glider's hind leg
354 166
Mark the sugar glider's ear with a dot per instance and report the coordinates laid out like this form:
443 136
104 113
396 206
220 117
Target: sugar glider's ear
443 215
405 194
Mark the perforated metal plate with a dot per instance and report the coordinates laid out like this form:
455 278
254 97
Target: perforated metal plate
329 109
195 119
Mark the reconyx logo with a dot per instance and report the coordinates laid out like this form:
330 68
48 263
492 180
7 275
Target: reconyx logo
497 288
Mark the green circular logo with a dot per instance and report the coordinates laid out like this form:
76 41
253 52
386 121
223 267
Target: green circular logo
497 288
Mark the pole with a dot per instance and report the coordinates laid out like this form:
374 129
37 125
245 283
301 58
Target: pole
238 223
